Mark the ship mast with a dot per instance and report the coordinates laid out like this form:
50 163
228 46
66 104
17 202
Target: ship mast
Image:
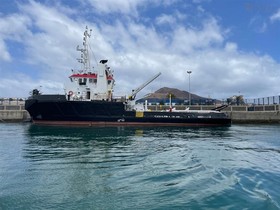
85 58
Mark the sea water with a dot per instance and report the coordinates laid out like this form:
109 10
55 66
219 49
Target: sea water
45 167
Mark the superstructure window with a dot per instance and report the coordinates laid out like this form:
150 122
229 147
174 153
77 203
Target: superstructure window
82 81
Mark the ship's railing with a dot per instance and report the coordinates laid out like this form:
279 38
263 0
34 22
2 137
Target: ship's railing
259 104
231 108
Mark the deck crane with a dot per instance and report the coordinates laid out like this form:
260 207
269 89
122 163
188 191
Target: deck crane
137 90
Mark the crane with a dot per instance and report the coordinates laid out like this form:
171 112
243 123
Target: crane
137 90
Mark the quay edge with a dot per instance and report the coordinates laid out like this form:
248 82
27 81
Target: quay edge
254 117
14 116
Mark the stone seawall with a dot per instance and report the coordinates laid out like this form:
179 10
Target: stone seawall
13 113
14 116
255 116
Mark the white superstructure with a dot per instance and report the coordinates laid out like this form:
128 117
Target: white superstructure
90 83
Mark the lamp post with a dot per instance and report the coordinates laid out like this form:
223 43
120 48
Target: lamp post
189 72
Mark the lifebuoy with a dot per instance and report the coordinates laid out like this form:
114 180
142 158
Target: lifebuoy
70 93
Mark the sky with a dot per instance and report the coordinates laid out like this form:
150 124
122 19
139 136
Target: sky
232 47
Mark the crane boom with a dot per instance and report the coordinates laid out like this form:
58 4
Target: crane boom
137 90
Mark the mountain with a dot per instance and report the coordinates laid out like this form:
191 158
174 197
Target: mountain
163 93
178 96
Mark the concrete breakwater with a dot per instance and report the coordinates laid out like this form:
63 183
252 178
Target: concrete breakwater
255 117
13 113
239 114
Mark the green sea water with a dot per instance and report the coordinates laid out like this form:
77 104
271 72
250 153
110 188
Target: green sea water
44 167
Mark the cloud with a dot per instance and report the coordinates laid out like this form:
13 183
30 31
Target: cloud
128 7
20 86
15 86
225 72
51 35
275 16
12 29
258 24
13 26
137 50
200 1
165 19
219 69
4 54
187 40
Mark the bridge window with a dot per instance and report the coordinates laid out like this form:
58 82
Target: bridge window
82 81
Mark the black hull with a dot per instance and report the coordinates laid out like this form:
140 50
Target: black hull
56 110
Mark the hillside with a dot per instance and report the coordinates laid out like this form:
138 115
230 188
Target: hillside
162 93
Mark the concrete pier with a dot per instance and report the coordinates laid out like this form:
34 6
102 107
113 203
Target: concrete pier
255 116
13 113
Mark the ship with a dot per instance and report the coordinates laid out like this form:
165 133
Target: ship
89 100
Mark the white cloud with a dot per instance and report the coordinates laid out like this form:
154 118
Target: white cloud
258 24
21 85
170 19
230 47
200 1
136 51
186 40
12 27
128 7
119 6
200 9
15 86
165 19
4 54
217 71
275 16
49 39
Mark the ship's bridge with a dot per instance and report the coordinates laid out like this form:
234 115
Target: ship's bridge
88 83
83 79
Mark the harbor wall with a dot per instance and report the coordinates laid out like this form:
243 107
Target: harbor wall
13 113
238 114
254 116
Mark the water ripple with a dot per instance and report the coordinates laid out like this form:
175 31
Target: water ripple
140 168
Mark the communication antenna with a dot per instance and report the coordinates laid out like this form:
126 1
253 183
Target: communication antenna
85 58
